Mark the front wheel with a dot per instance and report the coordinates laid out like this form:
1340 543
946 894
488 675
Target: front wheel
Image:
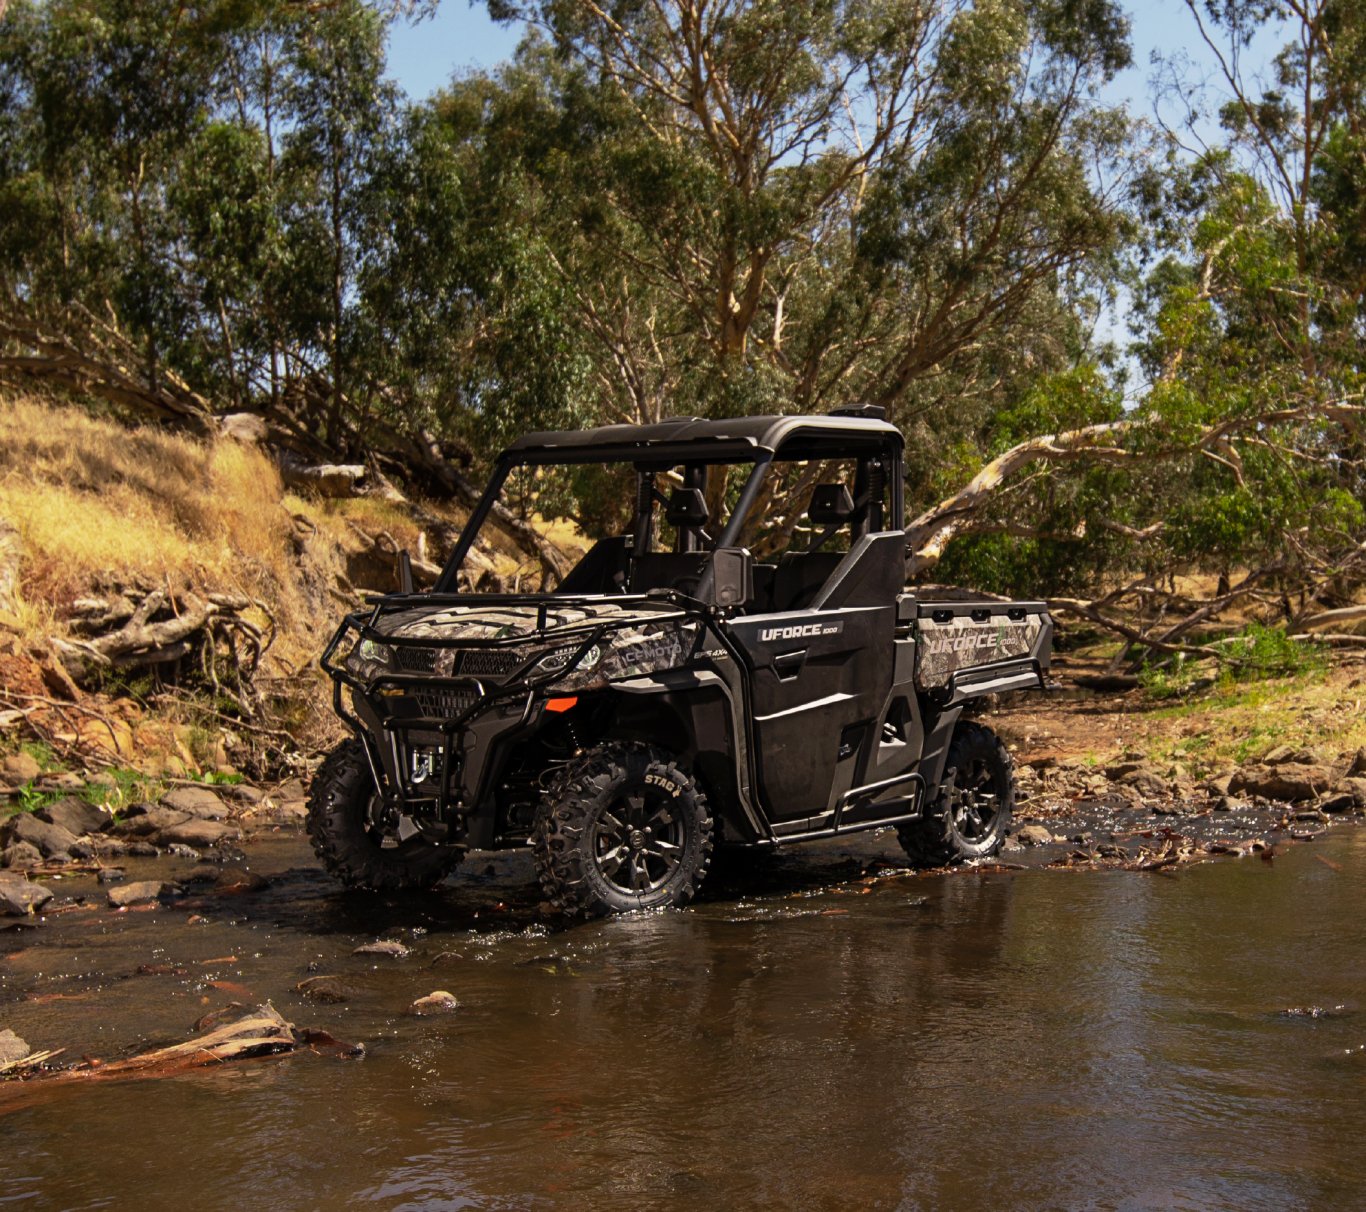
622 828
971 816
354 836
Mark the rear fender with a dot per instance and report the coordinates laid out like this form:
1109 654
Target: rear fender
936 751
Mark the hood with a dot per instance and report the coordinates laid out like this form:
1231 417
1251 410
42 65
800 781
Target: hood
451 624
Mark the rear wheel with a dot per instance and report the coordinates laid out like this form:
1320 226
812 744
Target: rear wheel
357 839
622 828
972 814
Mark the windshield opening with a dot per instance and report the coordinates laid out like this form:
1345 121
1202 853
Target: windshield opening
637 526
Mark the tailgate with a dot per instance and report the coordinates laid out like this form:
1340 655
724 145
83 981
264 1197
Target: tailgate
980 647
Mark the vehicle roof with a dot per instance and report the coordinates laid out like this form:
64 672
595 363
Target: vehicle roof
737 438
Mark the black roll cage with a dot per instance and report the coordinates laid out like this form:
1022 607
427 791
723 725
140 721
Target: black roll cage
796 438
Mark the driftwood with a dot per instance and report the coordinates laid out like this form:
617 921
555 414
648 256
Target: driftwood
335 480
176 634
263 1032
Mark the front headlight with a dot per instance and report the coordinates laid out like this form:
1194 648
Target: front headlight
558 661
369 658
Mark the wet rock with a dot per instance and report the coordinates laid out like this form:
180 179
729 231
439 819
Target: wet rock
12 1048
141 850
1218 785
108 847
1338 1011
1356 787
1337 801
1288 782
238 879
198 802
111 875
51 840
1142 776
1167 810
82 849
383 947
146 820
20 768
176 850
76 815
20 896
140 892
201 833
1033 835
436 1002
243 793
20 856
291 789
326 989
1231 803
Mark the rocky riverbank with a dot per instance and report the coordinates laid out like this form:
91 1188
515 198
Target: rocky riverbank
75 835
1131 812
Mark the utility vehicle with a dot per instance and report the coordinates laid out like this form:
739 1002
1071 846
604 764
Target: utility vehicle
721 671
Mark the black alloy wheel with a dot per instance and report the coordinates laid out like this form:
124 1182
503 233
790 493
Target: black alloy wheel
971 816
622 828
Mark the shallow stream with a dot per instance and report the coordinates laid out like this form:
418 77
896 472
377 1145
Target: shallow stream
803 1038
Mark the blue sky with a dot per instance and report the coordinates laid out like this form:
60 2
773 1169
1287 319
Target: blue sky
423 57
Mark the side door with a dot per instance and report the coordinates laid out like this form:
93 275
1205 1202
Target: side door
819 679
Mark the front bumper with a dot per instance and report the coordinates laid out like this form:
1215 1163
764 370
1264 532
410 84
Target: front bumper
432 739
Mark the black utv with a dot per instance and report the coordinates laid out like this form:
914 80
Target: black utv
733 669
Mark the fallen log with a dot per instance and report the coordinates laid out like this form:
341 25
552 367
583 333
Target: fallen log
263 1032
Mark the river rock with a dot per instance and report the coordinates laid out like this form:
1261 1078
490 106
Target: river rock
76 815
383 947
1033 835
144 820
244 793
20 768
1341 800
20 896
198 802
1288 782
52 840
436 1002
140 892
199 833
1356 788
1219 784
12 1048
326 989
1142 776
1288 755
19 856
108 847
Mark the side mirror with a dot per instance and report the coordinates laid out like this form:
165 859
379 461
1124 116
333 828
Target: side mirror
730 581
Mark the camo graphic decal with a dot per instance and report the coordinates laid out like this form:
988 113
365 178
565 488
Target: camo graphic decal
960 643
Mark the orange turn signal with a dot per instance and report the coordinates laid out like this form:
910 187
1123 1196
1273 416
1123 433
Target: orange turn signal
561 704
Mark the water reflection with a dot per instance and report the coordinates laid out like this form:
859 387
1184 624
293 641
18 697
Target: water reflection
1016 1041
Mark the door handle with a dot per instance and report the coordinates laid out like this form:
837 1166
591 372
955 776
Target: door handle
789 664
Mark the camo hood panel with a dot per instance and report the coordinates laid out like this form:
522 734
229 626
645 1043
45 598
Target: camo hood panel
452 624
636 639
961 643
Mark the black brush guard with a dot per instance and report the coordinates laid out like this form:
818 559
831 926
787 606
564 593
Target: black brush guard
454 728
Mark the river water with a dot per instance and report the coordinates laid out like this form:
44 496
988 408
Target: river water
801 1039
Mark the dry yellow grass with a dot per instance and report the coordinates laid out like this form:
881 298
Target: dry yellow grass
92 499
